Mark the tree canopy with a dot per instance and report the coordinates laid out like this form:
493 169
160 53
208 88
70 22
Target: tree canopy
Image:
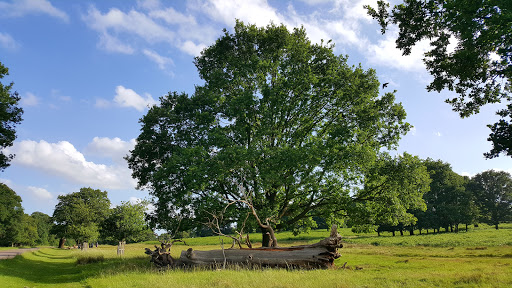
479 69
126 222
10 116
393 189
79 215
11 214
279 121
493 192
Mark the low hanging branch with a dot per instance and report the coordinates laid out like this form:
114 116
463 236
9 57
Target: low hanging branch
318 255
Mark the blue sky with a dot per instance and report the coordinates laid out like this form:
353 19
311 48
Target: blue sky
87 70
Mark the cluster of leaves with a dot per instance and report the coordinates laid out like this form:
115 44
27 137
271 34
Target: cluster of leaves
479 68
10 116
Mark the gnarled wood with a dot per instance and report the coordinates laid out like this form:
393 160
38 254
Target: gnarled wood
317 255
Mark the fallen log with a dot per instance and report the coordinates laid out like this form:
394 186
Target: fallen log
317 255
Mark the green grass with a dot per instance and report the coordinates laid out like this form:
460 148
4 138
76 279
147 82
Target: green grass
478 258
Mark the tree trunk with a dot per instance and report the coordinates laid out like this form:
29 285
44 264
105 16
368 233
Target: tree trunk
318 255
62 241
496 226
265 238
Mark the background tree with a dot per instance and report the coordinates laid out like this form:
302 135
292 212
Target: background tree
10 116
493 191
393 188
25 231
43 224
11 214
126 222
448 202
279 122
79 215
479 69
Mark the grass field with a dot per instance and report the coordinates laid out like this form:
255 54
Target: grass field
479 258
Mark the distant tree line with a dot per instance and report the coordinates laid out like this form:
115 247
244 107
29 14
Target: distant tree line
454 200
83 216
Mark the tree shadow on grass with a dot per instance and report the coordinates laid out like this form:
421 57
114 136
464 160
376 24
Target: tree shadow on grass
45 267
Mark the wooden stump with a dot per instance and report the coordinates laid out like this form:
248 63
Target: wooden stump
318 255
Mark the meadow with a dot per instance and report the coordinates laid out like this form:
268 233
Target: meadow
481 257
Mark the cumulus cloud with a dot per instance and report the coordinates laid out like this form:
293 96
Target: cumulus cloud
20 8
129 98
133 22
113 44
40 193
385 53
29 100
62 159
162 61
113 148
257 12
7 42
344 21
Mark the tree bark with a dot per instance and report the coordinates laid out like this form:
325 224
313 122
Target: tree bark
318 255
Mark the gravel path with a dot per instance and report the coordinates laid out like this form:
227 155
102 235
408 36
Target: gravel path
8 254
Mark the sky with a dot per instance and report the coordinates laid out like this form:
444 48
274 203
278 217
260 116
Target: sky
87 71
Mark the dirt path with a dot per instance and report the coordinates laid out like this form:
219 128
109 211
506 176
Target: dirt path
8 254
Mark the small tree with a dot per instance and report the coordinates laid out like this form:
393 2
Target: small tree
10 116
126 222
493 192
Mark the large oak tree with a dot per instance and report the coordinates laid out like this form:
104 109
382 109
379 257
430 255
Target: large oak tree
279 123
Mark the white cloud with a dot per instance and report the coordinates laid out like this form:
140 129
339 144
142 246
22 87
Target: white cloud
148 4
129 98
133 23
171 16
191 48
162 61
20 8
6 182
113 44
438 134
61 159
470 175
114 148
7 42
40 193
385 53
102 103
257 12
29 100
